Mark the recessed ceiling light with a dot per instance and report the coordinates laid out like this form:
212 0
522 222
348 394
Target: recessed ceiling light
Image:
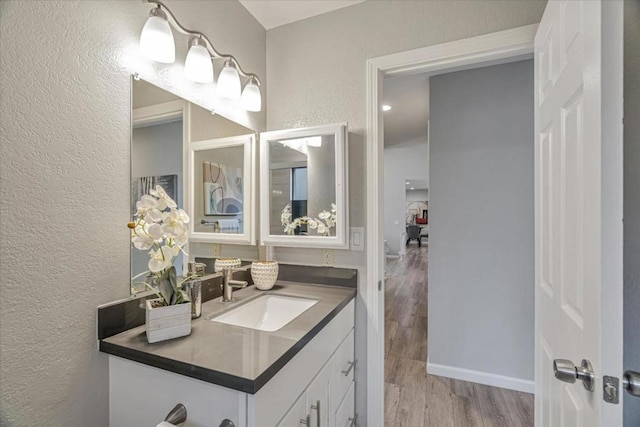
386 107
406 182
411 188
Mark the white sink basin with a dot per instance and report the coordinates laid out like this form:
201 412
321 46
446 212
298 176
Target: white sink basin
266 313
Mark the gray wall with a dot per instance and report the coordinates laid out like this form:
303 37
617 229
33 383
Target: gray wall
316 76
481 233
400 164
156 150
64 190
631 202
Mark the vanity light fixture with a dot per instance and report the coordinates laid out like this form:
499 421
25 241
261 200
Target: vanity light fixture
251 99
198 66
229 81
156 43
156 39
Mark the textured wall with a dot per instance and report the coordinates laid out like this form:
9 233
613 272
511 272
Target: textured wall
481 240
316 75
631 202
64 190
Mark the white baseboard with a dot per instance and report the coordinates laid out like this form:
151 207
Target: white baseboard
485 378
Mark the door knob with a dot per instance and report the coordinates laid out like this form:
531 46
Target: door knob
566 371
631 383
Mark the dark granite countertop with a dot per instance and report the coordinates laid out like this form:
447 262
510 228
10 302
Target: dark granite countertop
231 356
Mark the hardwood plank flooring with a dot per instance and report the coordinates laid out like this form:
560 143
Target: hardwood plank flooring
413 398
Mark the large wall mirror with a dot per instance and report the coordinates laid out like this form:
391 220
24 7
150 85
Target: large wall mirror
303 187
165 131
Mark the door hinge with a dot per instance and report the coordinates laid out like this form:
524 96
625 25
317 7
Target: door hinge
611 389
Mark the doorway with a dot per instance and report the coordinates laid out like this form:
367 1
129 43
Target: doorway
497 48
479 302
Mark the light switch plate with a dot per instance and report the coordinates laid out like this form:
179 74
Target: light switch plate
356 239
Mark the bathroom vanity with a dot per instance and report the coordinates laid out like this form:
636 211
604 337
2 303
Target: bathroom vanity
301 374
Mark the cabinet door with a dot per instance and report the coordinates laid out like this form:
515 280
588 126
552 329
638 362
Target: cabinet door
297 416
343 371
345 415
318 397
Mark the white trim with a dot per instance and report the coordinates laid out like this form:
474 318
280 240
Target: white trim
460 54
494 380
341 239
157 114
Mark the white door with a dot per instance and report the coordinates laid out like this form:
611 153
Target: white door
578 63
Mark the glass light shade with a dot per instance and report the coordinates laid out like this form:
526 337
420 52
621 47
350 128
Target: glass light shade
198 66
251 99
156 39
229 82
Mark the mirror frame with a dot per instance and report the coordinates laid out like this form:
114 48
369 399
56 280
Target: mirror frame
248 142
340 240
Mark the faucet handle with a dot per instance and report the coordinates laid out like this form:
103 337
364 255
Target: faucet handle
238 283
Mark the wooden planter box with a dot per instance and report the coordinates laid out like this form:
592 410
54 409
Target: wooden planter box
165 323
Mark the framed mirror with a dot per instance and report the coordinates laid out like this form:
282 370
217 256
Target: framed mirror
220 196
303 187
163 128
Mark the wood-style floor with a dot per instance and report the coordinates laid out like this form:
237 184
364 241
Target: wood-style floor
413 398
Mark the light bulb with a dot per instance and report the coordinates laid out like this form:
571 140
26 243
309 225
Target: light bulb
229 82
156 39
251 99
198 66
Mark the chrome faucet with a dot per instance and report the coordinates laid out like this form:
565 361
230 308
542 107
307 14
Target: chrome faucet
227 266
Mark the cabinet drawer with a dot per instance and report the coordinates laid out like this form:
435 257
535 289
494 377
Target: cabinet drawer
345 415
343 370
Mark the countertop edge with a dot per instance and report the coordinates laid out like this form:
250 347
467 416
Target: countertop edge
221 378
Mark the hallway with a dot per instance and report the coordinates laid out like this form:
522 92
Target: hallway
413 398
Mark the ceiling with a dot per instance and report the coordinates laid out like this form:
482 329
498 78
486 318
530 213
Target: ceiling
407 121
274 13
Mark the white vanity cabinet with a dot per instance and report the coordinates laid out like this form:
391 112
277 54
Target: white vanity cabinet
317 384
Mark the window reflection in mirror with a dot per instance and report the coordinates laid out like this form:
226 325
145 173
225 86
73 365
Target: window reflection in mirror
302 185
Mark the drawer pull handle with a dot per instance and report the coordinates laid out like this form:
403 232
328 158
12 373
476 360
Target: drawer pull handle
353 420
306 421
316 407
347 371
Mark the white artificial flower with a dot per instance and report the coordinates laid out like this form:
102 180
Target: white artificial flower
145 203
184 217
160 259
324 215
164 200
322 229
312 223
155 232
142 242
153 215
334 208
173 224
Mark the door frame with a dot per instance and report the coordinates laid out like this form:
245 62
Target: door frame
488 49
